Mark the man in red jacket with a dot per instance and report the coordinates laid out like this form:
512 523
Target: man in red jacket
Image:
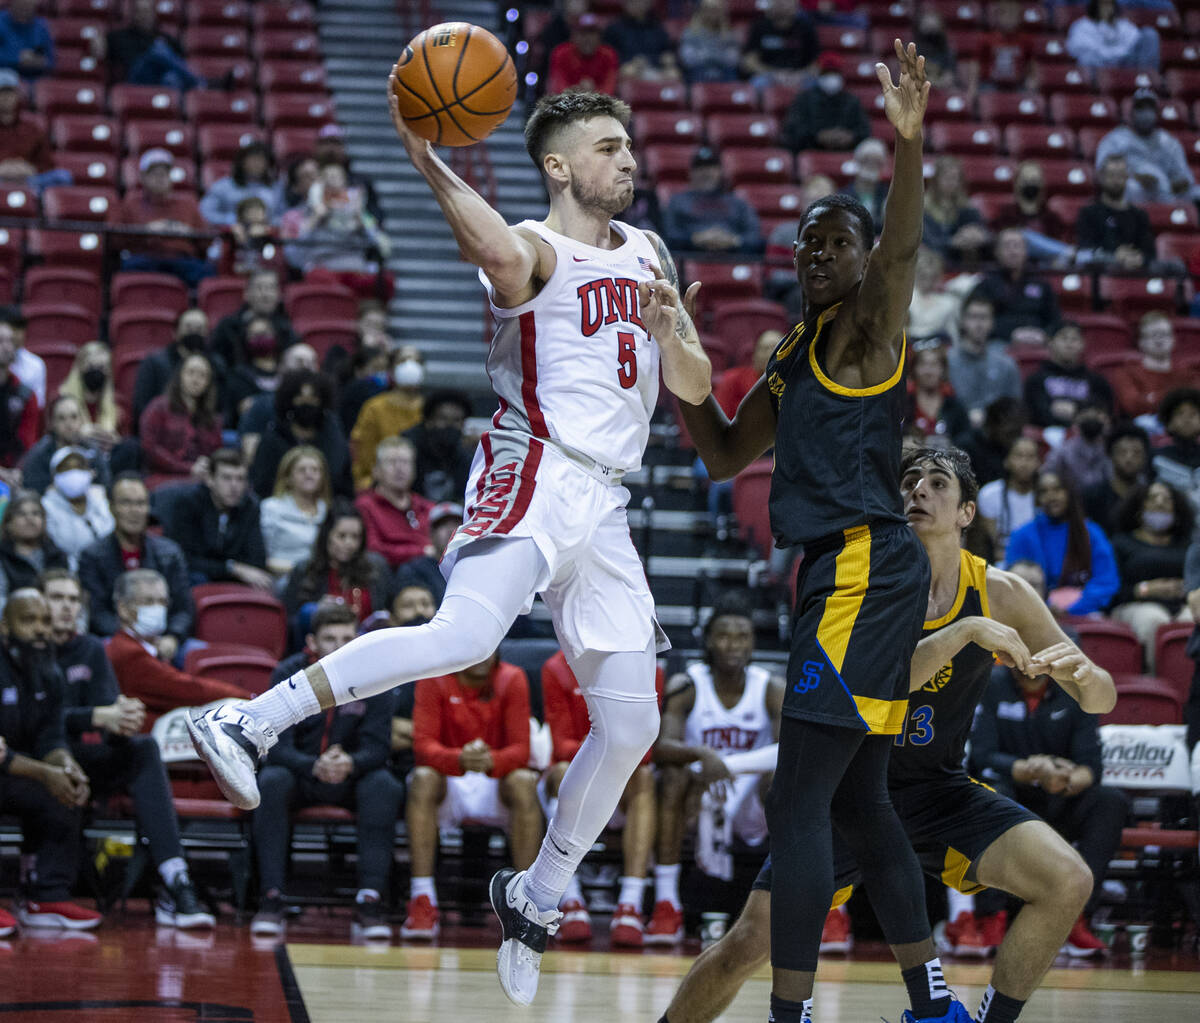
567 715
471 743
397 520
141 599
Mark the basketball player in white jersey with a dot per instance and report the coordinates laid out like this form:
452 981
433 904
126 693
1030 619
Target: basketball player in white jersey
588 312
716 753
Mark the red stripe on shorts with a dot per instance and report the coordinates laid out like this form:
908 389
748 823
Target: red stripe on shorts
486 442
525 489
529 375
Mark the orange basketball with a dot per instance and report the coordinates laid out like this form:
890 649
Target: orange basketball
455 84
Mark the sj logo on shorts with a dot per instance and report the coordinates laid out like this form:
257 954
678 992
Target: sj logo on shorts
811 676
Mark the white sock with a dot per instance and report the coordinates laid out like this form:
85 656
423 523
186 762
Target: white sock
286 704
424 886
631 892
573 890
169 870
366 895
959 903
666 884
556 863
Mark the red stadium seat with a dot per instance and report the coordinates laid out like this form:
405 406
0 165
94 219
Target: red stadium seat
751 489
776 99
1028 357
1174 217
728 130
220 296
18 201
739 323
239 72
148 291
1067 177
288 142
988 173
144 103
1183 247
841 38
174 136
1143 700
320 301
88 168
764 165
1171 661
1063 79
669 163
79 202
656 127
1113 646
79 66
1132 296
1067 208
1183 83
222 141
94 10
1179 53
1102 362
709 98
59 357
324 334
774 202
45 284
137 329
723 282
218 41
78 33
1034 141
85 134
1012 107
52 97
975 138
220 12
946 105
1120 82
1089 143
646 95
58 321
289 76
1082 111
1103 331
1172 113
287 44
249 668
182 174
1074 291
66 248
272 15
227 612
838 166
283 110
12 253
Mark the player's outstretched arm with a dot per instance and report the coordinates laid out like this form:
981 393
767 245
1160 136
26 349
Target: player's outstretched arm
509 258
935 651
686 369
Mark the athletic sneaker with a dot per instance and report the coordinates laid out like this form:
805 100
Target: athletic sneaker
232 743
420 919
525 930
961 937
58 914
835 935
666 925
957 1014
626 929
1082 943
8 923
268 921
576 923
992 929
371 921
179 907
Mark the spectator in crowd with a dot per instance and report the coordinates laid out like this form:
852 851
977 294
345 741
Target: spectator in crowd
26 44
66 418
135 651
567 717
129 546
1158 166
292 189
331 148
1177 462
1055 390
1008 47
26 155
643 45
563 16
1153 531
369 374
1073 552
782 46
339 565
720 724
1034 743
251 242
953 227
90 382
251 176
26 551
157 368
1111 231
422 571
75 504
338 758
141 53
291 517
736 381
1004 419
781 283
1139 387
941 64
169 215
1082 457
1045 233
339 240
370 329
709 48
980 371
1191 586
413 603
29 368
471 742
215 523
258 374
303 415
1103 38
933 408
867 185
20 415
443 459
584 61
389 413
259 408
40 782
102 727
825 115
262 298
933 311
1025 304
181 428
707 216
1128 448
397 519
1007 503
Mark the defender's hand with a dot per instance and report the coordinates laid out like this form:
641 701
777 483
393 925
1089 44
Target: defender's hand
904 104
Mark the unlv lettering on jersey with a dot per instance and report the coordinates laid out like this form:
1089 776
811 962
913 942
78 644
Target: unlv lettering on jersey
493 502
730 737
606 301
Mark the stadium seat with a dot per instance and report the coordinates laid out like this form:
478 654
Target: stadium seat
227 612
222 141
1187 333
1180 246
88 168
283 110
665 126
1121 82
838 166
1179 53
1027 357
1074 291
217 41
218 12
776 99
125 370
58 321
1130 297
97 10
1183 83
220 296
1067 177
85 134
77 33
52 97
144 103
249 668
288 142
726 131
1113 646
1143 700
1103 331
59 357
739 323
723 282
756 165
138 329
287 44
1172 217
1172 113
82 251
324 334
1104 361
1089 143
1035 141
988 173
1067 208
148 291
18 201
708 98
80 66
751 490
79 202
947 105
841 38
647 95
1171 661
668 163
45 284
320 301
1081 111
774 202
12 253
176 137
1061 79
238 72
212 171
1012 108
294 16
289 76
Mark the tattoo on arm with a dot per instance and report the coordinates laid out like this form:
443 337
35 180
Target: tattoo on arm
683 322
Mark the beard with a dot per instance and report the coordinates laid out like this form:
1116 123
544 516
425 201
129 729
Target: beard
593 200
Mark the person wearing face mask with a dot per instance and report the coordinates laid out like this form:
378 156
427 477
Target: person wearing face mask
707 216
1082 457
1128 449
181 428
261 407
1047 236
443 460
90 380
76 507
261 299
25 549
388 414
396 519
140 598
157 368
868 186
65 419
1158 166
1057 389
825 115
1177 463
257 374
18 410
367 373
1112 231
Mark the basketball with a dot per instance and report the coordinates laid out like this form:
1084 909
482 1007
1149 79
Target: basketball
455 84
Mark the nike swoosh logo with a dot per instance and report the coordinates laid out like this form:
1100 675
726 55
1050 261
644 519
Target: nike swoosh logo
579 259
1057 714
291 684
561 850
353 692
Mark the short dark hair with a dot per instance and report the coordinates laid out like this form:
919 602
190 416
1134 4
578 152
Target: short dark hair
54 575
837 201
1124 431
12 315
238 170
128 476
1129 513
1174 399
554 113
332 614
954 460
294 381
977 297
730 604
448 397
249 203
226 456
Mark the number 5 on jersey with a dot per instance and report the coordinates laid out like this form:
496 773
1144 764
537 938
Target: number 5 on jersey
626 359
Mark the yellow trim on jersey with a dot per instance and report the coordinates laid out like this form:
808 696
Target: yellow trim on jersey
788 344
955 873
883 717
851 392
841 896
851 576
972 575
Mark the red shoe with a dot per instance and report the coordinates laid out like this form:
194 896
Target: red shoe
576 925
420 919
666 925
992 929
58 914
8 924
1082 943
962 937
627 930
835 935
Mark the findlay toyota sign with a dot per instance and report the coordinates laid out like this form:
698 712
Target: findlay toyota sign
1146 757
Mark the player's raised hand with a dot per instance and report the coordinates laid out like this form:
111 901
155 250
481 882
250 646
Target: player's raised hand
904 104
659 306
690 298
412 141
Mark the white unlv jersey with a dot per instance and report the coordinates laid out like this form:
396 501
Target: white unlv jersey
574 364
744 726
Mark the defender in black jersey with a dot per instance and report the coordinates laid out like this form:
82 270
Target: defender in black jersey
831 404
964 833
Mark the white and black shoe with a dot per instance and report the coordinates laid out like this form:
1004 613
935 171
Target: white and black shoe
232 743
180 907
525 932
